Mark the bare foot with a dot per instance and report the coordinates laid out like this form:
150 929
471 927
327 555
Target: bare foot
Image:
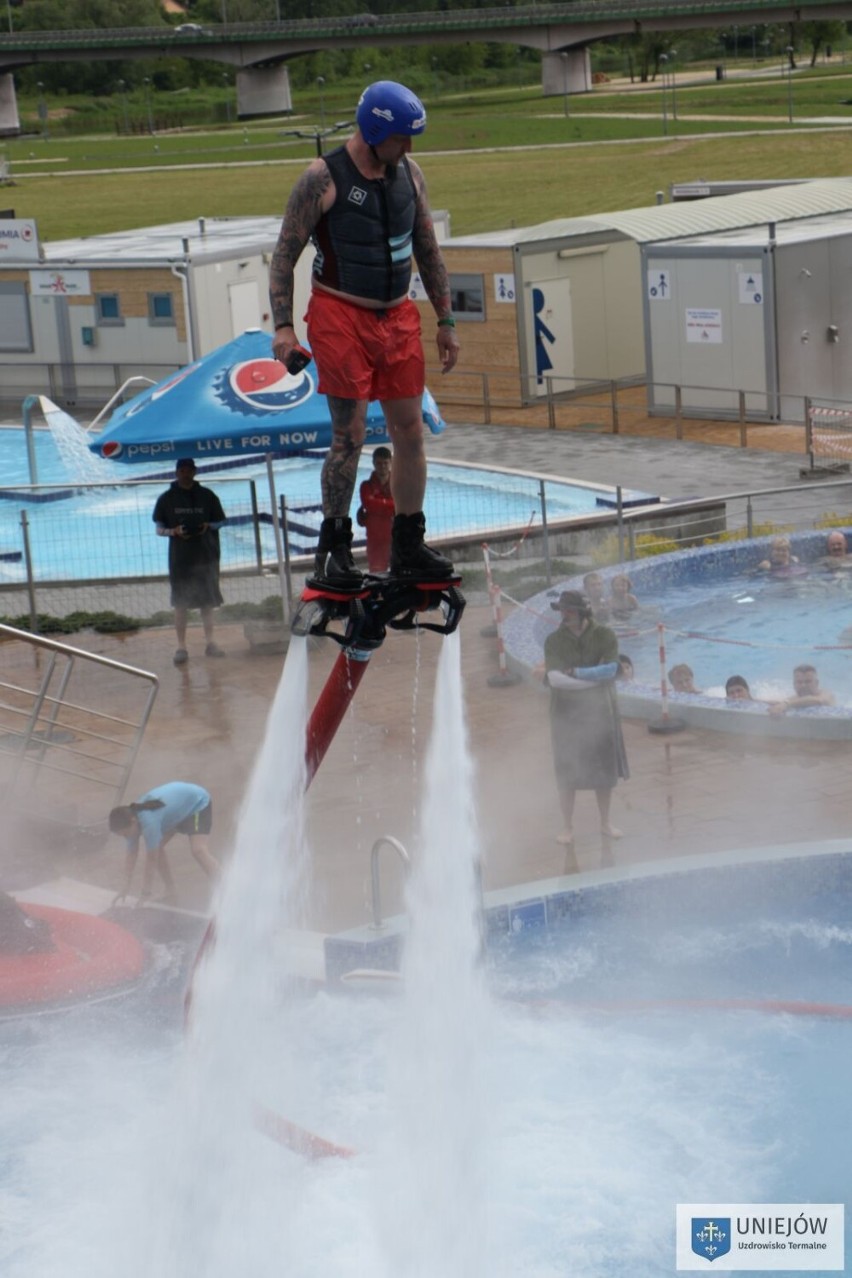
566 838
611 832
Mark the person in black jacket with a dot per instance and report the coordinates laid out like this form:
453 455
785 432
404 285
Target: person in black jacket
191 516
364 205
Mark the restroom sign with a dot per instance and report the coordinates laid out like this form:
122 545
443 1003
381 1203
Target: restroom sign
703 326
504 288
659 286
751 287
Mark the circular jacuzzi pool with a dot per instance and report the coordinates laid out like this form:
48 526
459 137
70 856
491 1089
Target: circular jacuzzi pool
724 614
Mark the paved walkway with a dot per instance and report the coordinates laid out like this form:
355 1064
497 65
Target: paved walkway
696 792
664 466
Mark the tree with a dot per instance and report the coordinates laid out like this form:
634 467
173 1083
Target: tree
816 35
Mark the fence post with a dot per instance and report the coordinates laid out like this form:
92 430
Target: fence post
749 518
619 521
742 414
551 407
613 394
504 678
255 519
285 536
489 631
28 561
678 412
809 429
486 399
665 723
279 548
545 533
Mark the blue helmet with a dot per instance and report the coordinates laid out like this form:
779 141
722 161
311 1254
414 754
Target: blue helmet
386 108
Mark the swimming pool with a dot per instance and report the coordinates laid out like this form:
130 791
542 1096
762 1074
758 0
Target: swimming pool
633 1054
106 532
722 616
709 998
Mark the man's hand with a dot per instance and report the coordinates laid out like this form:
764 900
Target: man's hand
448 347
283 343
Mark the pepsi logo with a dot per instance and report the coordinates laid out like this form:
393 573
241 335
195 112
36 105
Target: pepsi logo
259 386
112 449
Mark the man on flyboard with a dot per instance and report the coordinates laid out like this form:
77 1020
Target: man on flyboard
364 205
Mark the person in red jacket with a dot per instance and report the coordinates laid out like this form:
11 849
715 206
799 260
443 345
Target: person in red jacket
376 511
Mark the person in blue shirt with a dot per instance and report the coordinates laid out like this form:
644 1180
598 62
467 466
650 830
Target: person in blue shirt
175 808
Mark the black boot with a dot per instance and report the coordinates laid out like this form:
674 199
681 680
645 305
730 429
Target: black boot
410 556
334 565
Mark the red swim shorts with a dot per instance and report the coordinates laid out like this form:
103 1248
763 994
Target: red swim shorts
365 354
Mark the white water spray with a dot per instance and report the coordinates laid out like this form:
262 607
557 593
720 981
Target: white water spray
72 444
433 1194
211 1171
567 1138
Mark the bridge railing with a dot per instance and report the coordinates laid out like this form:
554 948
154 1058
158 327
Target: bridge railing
521 15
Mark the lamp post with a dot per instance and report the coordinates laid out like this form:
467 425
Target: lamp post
147 84
321 87
9 15
122 88
227 97
754 45
42 112
673 55
564 57
664 61
790 83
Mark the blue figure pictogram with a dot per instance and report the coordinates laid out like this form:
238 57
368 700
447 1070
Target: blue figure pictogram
541 333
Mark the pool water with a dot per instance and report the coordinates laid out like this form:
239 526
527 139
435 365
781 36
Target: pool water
755 625
599 1125
106 532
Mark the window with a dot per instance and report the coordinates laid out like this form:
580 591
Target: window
108 309
161 310
16 332
467 296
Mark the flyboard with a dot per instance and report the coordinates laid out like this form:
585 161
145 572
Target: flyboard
358 621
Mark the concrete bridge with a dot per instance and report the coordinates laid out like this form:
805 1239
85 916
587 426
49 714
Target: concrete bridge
260 51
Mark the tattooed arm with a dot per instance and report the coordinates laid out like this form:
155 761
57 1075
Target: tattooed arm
433 272
309 199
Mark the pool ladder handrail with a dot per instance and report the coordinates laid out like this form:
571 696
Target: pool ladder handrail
374 874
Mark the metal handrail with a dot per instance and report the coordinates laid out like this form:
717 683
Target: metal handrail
45 707
374 873
139 377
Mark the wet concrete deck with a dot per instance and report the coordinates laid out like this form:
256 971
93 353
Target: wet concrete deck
698 791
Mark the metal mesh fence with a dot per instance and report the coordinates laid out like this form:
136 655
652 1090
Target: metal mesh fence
94 548
830 434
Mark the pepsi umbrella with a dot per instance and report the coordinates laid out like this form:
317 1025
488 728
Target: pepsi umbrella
234 401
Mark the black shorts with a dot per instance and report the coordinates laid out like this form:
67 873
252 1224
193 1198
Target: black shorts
200 822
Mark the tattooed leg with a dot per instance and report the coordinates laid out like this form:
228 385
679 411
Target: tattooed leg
340 468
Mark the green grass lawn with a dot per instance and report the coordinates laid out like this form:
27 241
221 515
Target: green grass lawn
494 159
